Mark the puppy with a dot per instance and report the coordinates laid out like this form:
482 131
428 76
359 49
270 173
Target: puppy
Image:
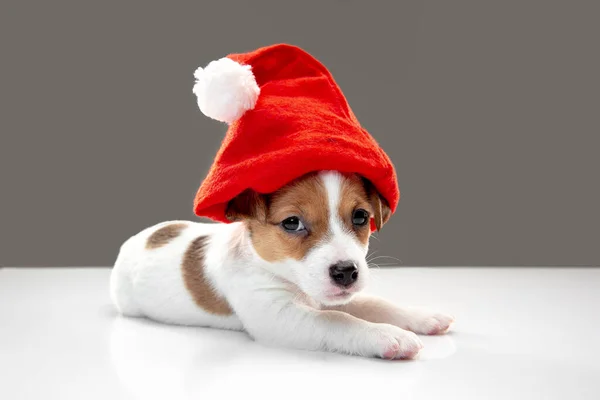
288 270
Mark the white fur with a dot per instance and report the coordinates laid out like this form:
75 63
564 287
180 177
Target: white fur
225 90
150 282
286 303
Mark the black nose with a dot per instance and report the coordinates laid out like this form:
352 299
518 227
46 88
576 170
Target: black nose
344 273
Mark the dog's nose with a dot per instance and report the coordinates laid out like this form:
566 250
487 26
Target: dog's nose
344 273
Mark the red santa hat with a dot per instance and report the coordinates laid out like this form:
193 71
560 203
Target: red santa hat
287 117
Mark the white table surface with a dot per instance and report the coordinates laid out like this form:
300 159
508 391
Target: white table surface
529 333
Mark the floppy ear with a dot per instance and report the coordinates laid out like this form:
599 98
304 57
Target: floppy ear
382 210
247 205
380 205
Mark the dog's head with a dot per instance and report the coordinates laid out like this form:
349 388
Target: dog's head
315 231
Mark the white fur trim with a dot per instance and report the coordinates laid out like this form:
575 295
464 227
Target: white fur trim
225 90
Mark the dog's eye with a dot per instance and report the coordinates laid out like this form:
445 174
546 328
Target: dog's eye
360 217
293 224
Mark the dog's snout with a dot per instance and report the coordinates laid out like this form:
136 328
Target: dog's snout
344 273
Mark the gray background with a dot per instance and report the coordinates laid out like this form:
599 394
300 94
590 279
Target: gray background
490 111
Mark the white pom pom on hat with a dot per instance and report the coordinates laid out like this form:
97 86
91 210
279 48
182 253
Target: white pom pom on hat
225 90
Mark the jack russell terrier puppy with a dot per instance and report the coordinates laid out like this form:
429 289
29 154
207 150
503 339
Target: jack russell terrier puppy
288 270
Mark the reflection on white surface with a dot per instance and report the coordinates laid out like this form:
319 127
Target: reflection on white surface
520 334
437 347
155 361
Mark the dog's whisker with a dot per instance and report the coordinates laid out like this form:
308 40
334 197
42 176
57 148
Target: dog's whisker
388 265
386 257
393 258
368 258
373 265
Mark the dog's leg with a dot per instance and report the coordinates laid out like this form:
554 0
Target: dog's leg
378 310
275 317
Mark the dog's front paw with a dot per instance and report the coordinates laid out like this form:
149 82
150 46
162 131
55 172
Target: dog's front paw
390 342
428 323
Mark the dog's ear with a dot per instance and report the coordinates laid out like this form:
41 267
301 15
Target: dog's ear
380 205
382 210
247 205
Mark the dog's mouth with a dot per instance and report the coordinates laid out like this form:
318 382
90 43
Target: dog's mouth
341 295
337 298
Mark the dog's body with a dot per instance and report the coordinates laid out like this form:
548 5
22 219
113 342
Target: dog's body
287 271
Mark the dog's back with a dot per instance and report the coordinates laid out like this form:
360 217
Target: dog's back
164 273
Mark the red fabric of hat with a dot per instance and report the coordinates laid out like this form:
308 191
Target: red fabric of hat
287 117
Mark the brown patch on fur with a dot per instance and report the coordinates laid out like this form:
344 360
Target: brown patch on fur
354 196
305 198
197 283
164 235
